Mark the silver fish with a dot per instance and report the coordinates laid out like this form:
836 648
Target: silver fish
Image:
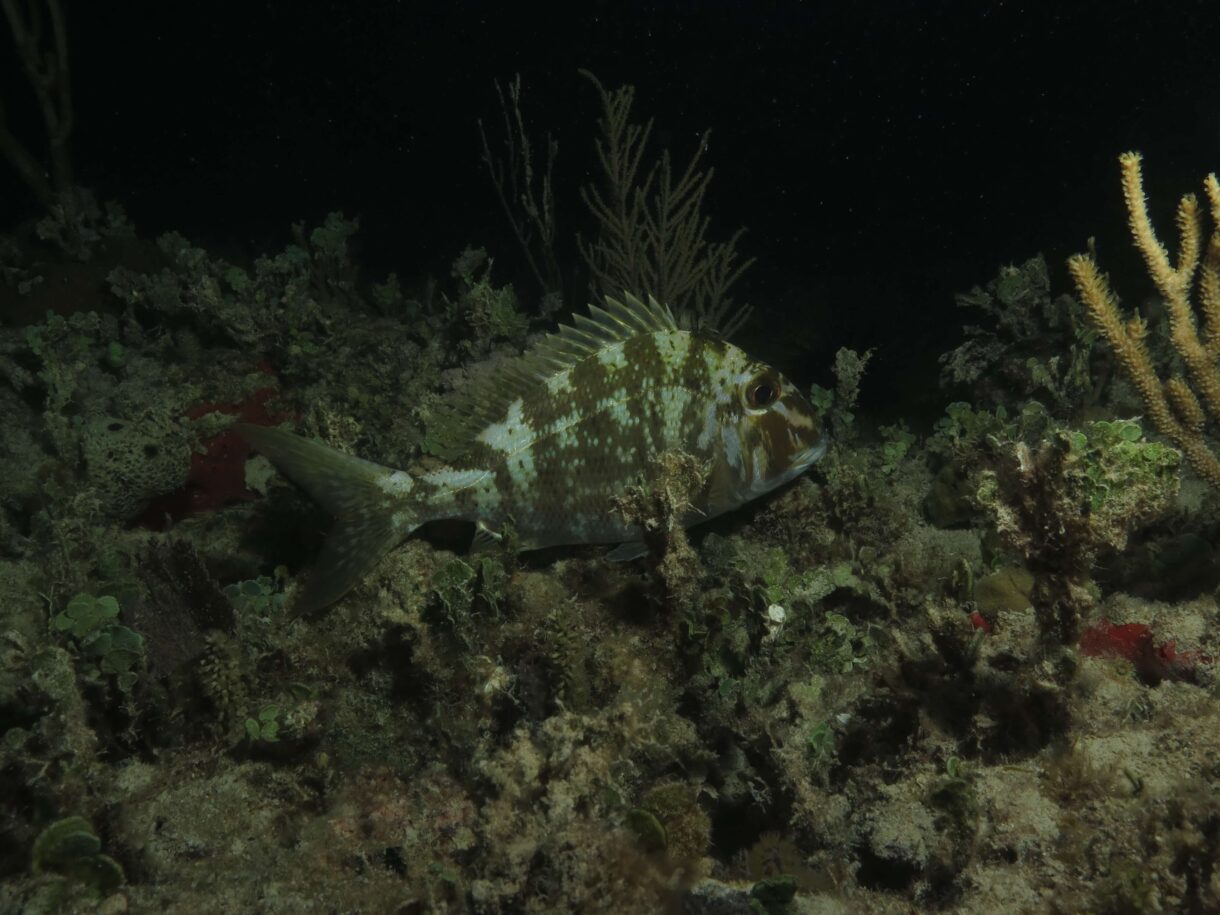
549 441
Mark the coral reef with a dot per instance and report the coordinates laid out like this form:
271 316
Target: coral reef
922 676
1068 497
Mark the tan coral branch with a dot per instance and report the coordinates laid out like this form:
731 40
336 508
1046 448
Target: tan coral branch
1178 410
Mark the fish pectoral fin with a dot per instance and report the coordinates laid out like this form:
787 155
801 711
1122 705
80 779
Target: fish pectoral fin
485 538
720 489
624 552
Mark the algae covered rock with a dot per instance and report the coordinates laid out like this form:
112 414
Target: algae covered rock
1005 589
130 463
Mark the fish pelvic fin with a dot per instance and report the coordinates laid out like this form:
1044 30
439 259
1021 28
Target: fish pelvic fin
369 504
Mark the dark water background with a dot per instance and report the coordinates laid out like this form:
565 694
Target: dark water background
882 154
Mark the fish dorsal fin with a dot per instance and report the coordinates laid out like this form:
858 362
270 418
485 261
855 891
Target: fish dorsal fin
470 412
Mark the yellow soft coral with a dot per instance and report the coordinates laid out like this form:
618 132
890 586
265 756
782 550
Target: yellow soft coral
1173 405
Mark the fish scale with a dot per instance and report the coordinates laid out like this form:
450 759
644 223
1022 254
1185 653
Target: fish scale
587 442
547 443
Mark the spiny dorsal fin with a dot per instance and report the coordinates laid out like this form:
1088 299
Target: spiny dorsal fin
470 412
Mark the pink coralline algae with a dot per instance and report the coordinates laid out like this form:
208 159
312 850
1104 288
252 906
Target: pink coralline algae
217 475
1135 643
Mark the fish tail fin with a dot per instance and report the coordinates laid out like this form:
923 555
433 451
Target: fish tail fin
370 518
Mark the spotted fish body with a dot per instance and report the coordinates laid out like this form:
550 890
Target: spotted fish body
547 443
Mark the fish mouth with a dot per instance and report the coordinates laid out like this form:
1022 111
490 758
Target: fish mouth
801 461
812 454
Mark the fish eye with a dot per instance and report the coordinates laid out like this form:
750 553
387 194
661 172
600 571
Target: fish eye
762 392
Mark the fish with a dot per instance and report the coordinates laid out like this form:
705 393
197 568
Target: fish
549 441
